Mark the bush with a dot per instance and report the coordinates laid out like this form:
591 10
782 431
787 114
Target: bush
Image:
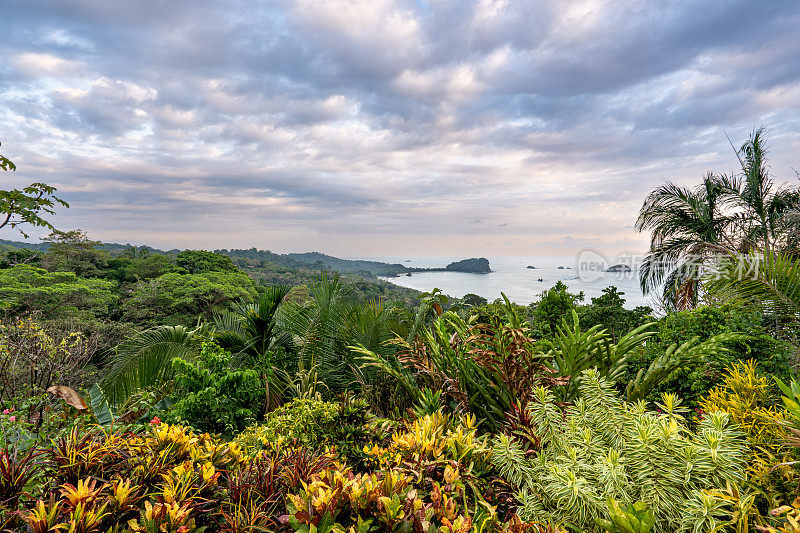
749 397
608 448
433 476
34 357
773 356
215 397
347 426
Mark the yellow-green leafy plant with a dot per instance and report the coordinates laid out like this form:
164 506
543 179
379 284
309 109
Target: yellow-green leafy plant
636 518
604 447
746 396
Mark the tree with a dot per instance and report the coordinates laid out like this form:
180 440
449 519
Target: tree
769 282
200 261
687 227
608 310
473 300
74 251
765 209
721 217
251 329
554 304
180 298
136 252
21 207
147 266
252 333
144 360
24 288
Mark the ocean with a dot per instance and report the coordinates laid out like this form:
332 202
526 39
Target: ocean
522 285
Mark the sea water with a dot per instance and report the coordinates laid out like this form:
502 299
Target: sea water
511 276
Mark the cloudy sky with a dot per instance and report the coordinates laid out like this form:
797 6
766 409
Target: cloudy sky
387 127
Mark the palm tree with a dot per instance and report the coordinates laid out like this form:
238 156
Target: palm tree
687 226
252 330
252 333
319 327
765 210
372 326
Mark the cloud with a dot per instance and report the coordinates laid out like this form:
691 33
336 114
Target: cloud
33 65
333 125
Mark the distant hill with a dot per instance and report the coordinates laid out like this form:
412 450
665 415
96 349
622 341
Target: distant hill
299 260
42 246
349 265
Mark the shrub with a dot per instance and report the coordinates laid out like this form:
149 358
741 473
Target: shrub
32 359
482 369
215 397
434 475
748 397
774 356
605 447
315 424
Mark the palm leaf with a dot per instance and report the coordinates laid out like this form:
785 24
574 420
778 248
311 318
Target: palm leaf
144 360
768 282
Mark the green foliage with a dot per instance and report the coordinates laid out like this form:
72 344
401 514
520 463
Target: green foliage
636 518
252 333
772 355
180 298
608 311
212 396
74 251
321 326
554 304
345 425
21 207
100 408
482 369
24 288
201 261
141 267
769 283
251 330
574 351
721 217
473 300
10 256
143 361
689 354
605 447
687 226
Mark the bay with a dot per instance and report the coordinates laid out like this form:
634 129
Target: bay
511 276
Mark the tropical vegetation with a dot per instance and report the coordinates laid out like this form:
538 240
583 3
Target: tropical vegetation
242 390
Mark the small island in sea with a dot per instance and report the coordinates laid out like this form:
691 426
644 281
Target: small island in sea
531 266
474 265
619 268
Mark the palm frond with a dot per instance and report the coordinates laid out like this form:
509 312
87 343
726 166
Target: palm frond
144 360
769 282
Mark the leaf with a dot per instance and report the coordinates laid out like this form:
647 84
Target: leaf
100 408
68 395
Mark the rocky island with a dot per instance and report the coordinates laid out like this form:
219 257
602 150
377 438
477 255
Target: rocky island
619 268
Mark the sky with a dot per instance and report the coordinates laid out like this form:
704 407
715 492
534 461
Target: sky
383 127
